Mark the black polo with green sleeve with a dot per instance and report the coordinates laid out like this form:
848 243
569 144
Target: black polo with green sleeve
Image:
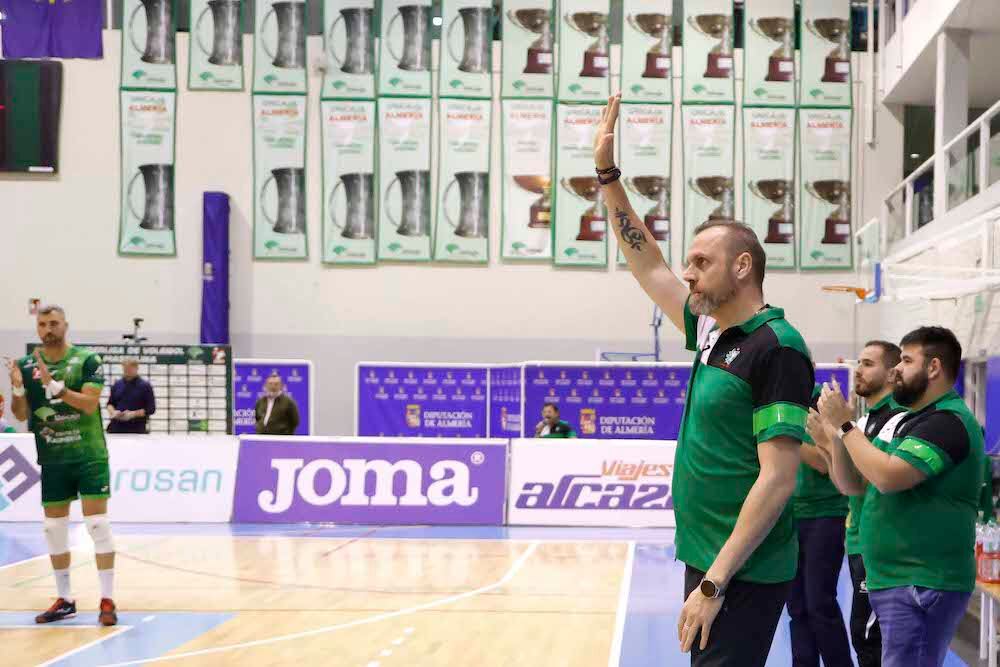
749 384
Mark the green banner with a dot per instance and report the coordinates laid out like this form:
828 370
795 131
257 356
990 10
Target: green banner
644 133
769 53
647 48
708 135
279 177
404 179
526 142
528 47
279 64
149 45
466 43
405 48
463 200
349 204
769 181
146 210
349 41
708 29
581 218
215 45
584 51
825 76
825 194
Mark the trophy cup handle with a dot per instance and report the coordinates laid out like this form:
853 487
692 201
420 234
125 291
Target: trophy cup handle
695 187
197 31
388 38
330 204
263 206
756 28
451 29
131 25
811 190
444 204
385 200
694 24
511 15
329 40
630 185
569 22
631 22
263 33
812 29
128 196
754 189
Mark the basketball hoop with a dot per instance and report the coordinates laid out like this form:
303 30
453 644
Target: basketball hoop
859 292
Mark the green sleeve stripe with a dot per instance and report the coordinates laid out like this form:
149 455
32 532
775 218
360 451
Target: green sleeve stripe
779 413
783 431
923 455
690 327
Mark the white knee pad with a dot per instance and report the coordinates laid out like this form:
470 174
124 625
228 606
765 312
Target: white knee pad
100 531
57 534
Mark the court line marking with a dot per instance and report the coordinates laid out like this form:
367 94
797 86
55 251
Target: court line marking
49 626
510 574
119 631
22 562
615 656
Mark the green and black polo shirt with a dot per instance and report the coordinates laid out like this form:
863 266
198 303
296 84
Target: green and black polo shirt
816 496
749 384
926 536
561 429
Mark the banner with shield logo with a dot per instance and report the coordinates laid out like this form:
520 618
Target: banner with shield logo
709 135
215 46
644 153
647 48
584 51
526 141
709 67
528 48
280 47
580 234
769 181
825 194
149 46
349 42
825 79
769 53
349 200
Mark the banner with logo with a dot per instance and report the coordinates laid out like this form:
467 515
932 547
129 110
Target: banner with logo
581 220
149 45
146 207
279 47
505 401
279 177
404 179
769 181
769 53
709 136
647 51
215 45
840 372
349 199
644 150
249 376
825 29
605 483
584 51
349 42
463 200
371 481
825 189
405 48
466 43
707 37
636 401
528 47
526 141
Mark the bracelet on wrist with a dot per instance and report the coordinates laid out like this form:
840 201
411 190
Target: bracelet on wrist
605 171
605 179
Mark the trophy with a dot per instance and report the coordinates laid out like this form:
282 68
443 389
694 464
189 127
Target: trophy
291 50
781 65
227 39
780 226
597 56
720 58
416 53
359 45
836 193
655 189
659 27
474 196
158 180
838 61
415 200
359 221
720 189
538 21
158 48
594 220
540 213
475 57
291 215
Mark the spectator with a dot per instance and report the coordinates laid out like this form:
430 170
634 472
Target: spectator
276 412
5 426
551 426
131 402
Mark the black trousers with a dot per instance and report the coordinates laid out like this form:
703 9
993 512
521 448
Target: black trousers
865 633
742 633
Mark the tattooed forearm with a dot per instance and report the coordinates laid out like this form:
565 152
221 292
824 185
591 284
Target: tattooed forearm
631 235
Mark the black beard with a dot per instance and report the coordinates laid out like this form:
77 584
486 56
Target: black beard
908 394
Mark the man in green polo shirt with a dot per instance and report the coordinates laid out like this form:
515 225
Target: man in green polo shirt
744 420
924 471
551 425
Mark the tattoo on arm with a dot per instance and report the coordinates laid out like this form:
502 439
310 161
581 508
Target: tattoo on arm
631 235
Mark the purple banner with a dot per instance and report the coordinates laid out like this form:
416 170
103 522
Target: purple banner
843 376
505 402
248 386
379 483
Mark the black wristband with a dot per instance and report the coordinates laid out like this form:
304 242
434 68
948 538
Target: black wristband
611 177
606 171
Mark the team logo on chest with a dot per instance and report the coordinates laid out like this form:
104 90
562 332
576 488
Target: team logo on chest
731 355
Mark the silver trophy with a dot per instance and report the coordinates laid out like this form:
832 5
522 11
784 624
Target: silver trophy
227 37
720 189
474 195
475 56
359 220
291 50
158 48
415 202
158 180
779 191
291 215
359 46
415 55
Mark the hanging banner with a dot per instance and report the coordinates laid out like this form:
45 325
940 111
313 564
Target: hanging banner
769 53
249 375
644 154
405 48
404 177
463 200
466 49
708 52
349 42
581 222
825 195
348 182
148 45
647 48
584 51
825 79
215 46
280 47
146 210
709 135
769 181
279 177
526 140
528 46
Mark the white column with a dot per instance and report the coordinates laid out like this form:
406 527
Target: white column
951 105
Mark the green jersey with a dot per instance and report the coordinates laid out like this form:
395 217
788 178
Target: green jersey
63 434
816 496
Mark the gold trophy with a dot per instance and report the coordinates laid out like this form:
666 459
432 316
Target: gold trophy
838 61
596 58
659 27
655 189
836 193
540 214
720 58
781 65
538 21
781 225
720 189
594 220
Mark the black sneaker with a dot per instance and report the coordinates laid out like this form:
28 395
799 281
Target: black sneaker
60 610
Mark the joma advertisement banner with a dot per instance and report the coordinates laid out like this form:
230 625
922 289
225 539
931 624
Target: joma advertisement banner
404 178
215 47
405 48
528 48
280 47
466 49
349 41
644 152
581 217
279 159
825 194
708 52
709 135
149 52
349 199
769 53
769 181
249 376
584 51
825 79
146 210
647 48
526 140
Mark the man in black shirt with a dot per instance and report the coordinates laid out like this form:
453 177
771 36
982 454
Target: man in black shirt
131 402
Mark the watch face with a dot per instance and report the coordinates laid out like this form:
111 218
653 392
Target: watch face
708 588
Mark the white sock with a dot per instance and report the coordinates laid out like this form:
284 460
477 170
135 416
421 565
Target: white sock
62 584
107 582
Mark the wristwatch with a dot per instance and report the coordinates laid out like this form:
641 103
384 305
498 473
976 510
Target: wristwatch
846 428
710 589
